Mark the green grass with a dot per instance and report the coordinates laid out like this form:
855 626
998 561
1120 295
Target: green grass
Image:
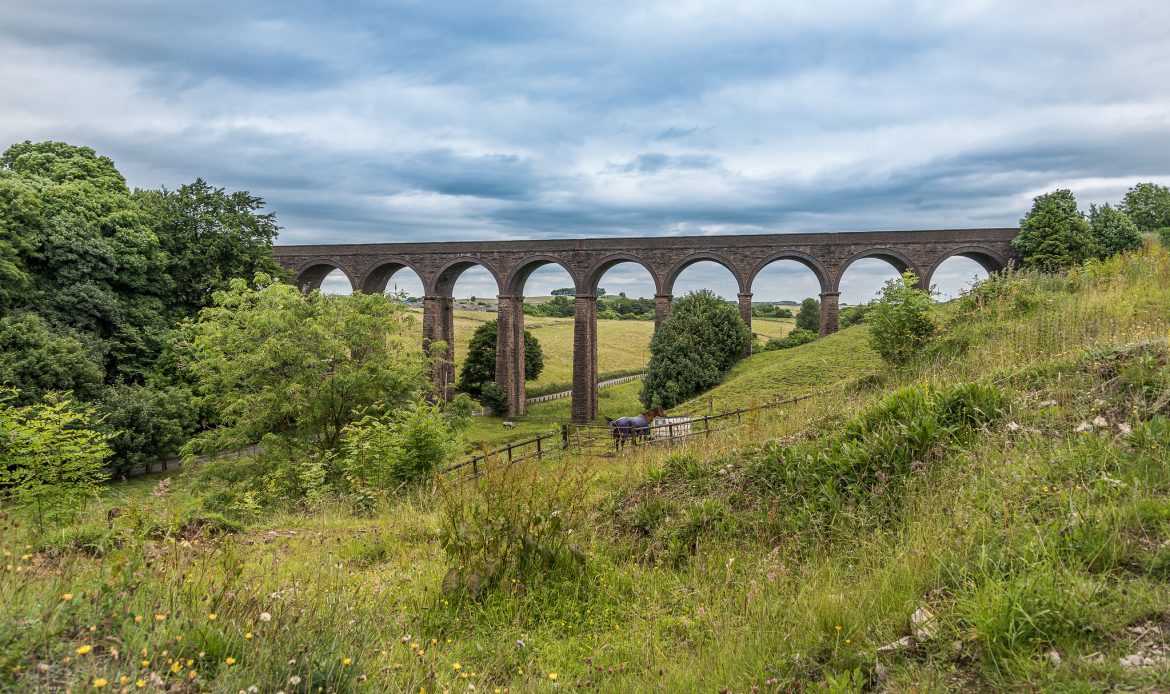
780 554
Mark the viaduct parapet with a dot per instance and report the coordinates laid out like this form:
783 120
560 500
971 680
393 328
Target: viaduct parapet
369 268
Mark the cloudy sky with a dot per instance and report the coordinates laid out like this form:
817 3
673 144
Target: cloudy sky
396 121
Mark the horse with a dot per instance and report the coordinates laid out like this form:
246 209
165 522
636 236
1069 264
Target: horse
635 428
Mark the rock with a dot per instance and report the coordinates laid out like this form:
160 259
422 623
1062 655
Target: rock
1053 657
895 646
721 471
1100 422
923 622
879 672
1124 428
1084 427
1047 403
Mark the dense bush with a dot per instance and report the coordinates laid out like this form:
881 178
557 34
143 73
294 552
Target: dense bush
35 358
1054 234
796 338
693 348
479 367
380 453
852 315
900 324
145 423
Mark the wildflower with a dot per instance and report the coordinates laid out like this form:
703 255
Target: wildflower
82 650
552 676
176 667
265 617
212 617
138 619
397 666
159 617
145 663
123 679
248 635
192 675
848 641
99 683
140 683
294 680
67 597
230 660
347 661
838 627
456 666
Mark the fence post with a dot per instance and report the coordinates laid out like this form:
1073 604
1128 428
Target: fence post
538 452
564 436
475 467
509 454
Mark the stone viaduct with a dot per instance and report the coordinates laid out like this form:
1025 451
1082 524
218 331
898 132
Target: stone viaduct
369 268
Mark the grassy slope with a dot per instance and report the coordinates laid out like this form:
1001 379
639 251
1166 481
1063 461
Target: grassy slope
1022 541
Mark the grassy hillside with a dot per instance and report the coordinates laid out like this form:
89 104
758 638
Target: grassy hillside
995 518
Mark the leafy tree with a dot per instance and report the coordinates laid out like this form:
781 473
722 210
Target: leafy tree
564 291
210 236
693 348
379 453
853 315
809 315
796 338
1113 231
274 363
36 358
1054 234
145 423
49 459
900 323
479 368
1148 205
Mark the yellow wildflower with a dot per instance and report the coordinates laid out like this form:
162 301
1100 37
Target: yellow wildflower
248 635
347 661
82 650
140 683
230 660
552 676
192 675
99 683
159 617
212 617
67 596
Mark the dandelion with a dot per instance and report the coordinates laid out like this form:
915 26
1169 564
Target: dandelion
230 660
192 675
123 679
552 676
138 619
159 617
248 635
100 682
294 680
212 617
140 683
67 597
838 627
82 650
145 663
456 666
265 617
176 667
347 661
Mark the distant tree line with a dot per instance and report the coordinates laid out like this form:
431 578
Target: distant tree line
618 307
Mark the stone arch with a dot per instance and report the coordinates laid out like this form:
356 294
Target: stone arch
675 270
899 260
514 284
443 283
988 259
598 269
311 274
818 270
379 274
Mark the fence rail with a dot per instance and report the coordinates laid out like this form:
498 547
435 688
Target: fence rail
509 452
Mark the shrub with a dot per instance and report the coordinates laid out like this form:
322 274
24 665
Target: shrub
692 349
383 453
900 325
852 315
145 424
49 459
1163 235
1113 231
509 524
796 338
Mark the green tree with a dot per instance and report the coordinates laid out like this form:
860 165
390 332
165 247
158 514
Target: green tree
36 358
900 323
1148 205
379 453
49 459
692 349
1113 231
210 236
145 423
1054 234
809 316
479 368
297 369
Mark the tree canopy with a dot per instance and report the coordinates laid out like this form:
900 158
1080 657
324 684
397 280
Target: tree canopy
479 368
1148 205
1054 234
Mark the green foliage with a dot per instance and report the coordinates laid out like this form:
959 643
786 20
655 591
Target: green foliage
49 459
35 359
1113 231
1148 205
505 524
809 316
145 424
900 323
853 315
273 362
479 368
764 309
796 338
1163 235
379 453
564 291
693 348
1054 234
210 236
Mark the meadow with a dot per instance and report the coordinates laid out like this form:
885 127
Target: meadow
993 517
